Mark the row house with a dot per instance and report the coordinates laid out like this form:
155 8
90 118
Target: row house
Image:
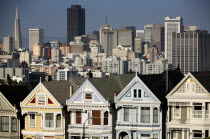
92 108
189 107
11 121
140 111
45 111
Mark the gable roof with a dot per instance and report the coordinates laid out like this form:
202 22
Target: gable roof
15 94
203 78
60 90
157 82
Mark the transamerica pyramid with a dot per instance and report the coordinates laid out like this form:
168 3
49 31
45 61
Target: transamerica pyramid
17 32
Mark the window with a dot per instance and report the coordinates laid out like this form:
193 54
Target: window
145 115
41 99
58 120
190 86
88 96
197 133
136 93
177 112
155 136
5 123
14 124
32 120
96 117
49 120
126 114
155 115
106 118
78 117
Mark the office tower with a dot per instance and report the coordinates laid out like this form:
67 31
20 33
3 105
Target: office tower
126 36
37 51
108 39
55 54
75 22
8 44
25 56
171 25
190 28
157 37
148 33
190 51
94 35
138 45
140 34
17 32
152 53
36 36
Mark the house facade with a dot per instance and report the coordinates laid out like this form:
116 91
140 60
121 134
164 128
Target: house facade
87 106
9 122
189 107
139 112
45 112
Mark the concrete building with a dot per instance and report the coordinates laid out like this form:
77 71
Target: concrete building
115 65
157 38
65 49
140 34
64 74
75 22
190 50
26 56
37 51
171 25
78 46
148 33
19 72
55 54
8 43
152 53
17 32
190 28
13 63
108 39
122 51
36 36
138 45
1 46
94 35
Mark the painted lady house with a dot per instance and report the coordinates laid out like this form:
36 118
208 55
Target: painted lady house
140 106
45 112
189 107
11 121
92 105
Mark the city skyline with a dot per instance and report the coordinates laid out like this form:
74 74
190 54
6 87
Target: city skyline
56 27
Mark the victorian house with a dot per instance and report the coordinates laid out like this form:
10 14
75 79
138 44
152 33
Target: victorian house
45 112
140 106
11 121
92 107
189 107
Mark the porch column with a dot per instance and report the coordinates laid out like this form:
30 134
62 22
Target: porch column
183 134
188 134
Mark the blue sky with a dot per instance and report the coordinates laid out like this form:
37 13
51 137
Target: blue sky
51 14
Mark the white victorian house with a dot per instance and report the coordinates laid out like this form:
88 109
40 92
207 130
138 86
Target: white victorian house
189 107
92 105
140 110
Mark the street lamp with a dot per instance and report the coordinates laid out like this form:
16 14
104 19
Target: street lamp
83 136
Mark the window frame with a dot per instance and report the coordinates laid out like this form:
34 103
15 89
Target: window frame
156 115
56 117
192 87
30 120
126 111
5 124
45 122
89 96
106 118
78 112
148 108
136 92
12 124
179 111
38 98
96 118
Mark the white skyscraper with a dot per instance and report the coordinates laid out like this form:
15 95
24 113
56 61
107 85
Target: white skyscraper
17 32
171 25
36 36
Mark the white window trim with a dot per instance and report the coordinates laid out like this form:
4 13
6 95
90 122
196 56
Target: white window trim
54 122
176 117
190 91
137 93
37 100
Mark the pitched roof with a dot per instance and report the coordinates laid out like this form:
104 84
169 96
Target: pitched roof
203 78
59 89
15 94
157 82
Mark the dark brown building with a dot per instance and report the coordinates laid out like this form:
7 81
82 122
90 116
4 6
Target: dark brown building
75 22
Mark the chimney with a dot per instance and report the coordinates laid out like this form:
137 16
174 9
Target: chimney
70 90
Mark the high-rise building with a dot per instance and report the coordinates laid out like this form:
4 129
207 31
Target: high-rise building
157 37
25 56
140 34
108 39
37 51
75 22
190 51
94 35
8 44
148 33
171 25
36 36
17 32
138 45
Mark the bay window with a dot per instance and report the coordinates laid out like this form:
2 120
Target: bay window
5 123
106 118
78 117
49 120
155 115
14 124
145 115
96 117
32 120
58 120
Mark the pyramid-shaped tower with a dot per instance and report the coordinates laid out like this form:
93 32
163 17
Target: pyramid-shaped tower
17 32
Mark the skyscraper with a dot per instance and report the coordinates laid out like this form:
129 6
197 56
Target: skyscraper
75 22
8 44
190 50
17 32
171 25
36 36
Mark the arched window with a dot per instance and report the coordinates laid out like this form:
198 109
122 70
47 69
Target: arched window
14 124
58 120
106 118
